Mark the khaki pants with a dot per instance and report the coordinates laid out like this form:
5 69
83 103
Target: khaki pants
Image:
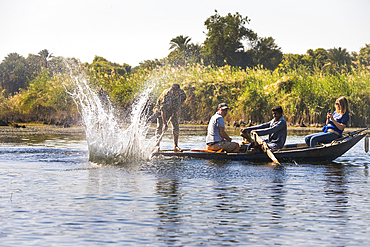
225 145
175 125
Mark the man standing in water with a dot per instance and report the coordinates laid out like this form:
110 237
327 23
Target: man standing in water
217 138
166 109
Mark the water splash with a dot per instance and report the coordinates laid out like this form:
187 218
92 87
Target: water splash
109 140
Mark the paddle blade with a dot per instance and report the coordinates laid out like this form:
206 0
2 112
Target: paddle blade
266 148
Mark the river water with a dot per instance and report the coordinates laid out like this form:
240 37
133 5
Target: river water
51 195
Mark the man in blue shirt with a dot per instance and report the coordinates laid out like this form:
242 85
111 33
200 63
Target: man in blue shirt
217 138
276 129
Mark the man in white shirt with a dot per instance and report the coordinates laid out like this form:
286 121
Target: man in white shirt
217 138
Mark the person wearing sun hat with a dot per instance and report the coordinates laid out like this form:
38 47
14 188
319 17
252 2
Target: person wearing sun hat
217 138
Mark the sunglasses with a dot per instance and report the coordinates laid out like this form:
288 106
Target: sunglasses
337 103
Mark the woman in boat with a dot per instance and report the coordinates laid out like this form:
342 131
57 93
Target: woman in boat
335 124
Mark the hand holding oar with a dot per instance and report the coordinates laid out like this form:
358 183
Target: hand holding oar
265 148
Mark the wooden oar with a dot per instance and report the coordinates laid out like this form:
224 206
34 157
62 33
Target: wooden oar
265 148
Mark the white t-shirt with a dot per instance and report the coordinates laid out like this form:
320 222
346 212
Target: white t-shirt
213 134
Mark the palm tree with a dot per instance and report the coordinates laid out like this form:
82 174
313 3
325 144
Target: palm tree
45 56
180 43
13 73
338 59
181 49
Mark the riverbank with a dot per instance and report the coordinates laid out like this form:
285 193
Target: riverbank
41 129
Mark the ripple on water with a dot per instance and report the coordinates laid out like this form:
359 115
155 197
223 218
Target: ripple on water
54 196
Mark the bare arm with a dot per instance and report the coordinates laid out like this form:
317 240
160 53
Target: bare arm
224 134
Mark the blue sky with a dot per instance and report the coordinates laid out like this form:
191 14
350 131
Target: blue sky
132 31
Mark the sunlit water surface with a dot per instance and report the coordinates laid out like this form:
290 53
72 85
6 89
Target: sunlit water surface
52 195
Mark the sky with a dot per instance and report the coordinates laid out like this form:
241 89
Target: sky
132 31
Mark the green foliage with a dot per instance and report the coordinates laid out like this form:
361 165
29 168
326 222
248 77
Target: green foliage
364 55
180 43
44 99
305 95
313 60
224 38
13 73
45 56
183 51
338 61
15 70
103 66
251 93
267 53
147 65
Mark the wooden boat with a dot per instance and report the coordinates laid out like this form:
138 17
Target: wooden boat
290 152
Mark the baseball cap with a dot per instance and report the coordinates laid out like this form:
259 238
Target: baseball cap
223 106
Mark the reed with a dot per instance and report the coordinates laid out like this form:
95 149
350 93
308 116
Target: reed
304 95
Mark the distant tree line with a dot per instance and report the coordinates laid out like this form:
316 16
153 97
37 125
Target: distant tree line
228 42
31 87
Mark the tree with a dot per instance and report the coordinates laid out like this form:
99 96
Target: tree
147 65
267 53
364 55
45 56
194 53
180 43
34 65
338 60
184 51
224 38
292 61
181 50
104 66
13 73
315 58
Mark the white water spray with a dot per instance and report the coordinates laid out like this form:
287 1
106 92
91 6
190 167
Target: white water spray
109 141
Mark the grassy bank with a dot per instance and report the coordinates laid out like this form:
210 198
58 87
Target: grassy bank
251 93
305 96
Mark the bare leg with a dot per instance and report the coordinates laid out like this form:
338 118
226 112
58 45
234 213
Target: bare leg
175 139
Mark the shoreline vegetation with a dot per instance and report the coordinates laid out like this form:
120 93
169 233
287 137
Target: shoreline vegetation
31 129
233 65
304 95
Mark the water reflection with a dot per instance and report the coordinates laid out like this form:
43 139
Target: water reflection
181 202
169 207
336 189
221 199
278 192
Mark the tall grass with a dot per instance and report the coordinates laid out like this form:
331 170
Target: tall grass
251 93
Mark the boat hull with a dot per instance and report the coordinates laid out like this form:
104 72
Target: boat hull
324 153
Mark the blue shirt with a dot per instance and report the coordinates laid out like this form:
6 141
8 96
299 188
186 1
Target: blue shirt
213 134
343 119
277 131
